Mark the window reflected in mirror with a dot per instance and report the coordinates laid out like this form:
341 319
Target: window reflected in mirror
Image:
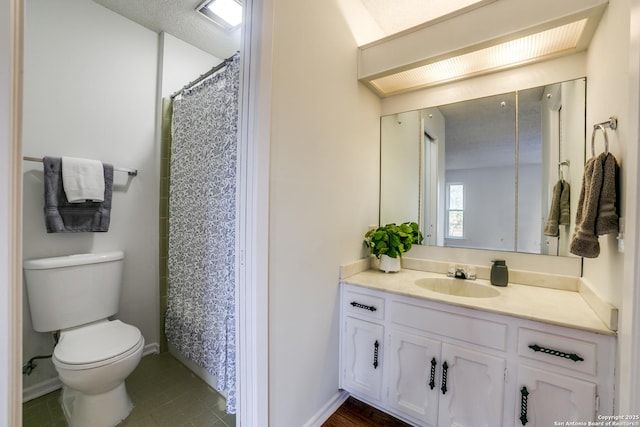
480 173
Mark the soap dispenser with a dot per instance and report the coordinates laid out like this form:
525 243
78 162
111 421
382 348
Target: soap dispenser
499 273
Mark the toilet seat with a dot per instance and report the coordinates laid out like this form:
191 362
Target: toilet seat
96 345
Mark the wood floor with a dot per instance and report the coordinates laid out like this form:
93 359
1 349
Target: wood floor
354 413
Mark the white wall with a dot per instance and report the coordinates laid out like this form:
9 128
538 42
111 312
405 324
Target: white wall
90 91
323 195
400 165
489 216
607 95
614 274
529 218
568 98
9 190
5 203
182 63
435 154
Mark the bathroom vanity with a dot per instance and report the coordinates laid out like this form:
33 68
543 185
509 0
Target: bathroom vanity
524 356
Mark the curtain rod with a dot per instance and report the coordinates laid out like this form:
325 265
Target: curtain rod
131 172
203 76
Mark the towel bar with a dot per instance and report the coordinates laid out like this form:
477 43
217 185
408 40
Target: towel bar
131 172
612 124
560 164
593 140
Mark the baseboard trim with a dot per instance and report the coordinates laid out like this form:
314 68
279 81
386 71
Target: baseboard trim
153 348
201 372
53 384
328 409
40 389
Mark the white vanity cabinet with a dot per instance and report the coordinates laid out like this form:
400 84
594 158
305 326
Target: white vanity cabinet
414 368
563 375
439 384
546 398
474 388
437 364
427 366
444 369
363 344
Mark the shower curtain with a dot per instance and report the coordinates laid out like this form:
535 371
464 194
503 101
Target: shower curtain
200 317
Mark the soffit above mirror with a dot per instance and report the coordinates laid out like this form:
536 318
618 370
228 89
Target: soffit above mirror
546 28
371 20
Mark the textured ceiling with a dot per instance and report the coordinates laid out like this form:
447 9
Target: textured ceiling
368 19
484 130
178 18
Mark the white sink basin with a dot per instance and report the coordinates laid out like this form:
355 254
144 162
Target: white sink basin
457 287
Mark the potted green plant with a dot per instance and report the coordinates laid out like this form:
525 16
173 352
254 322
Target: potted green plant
389 242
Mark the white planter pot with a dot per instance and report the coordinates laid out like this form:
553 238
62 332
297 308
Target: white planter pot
388 264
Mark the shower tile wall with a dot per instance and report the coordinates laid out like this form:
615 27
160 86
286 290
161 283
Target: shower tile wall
165 154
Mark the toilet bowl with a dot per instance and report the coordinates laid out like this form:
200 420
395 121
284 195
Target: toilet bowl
77 295
92 363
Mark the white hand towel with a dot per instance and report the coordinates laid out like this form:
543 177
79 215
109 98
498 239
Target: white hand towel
82 179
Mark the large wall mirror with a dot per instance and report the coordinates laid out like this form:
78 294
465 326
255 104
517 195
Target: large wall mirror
481 173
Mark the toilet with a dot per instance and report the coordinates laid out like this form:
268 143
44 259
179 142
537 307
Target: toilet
77 295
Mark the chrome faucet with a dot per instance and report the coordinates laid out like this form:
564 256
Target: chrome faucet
460 274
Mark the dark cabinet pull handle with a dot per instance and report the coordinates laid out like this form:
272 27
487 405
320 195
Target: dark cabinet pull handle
432 377
445 368
375 354
365 307
523 405
572 356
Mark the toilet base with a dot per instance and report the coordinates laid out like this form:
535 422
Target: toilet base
96 410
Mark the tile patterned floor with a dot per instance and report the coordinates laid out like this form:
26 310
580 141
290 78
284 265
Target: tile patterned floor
164 393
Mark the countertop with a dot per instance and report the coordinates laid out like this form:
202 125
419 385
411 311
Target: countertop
555 306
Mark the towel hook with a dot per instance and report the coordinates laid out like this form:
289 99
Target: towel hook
593 139
560 172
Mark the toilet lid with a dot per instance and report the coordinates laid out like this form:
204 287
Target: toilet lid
97 342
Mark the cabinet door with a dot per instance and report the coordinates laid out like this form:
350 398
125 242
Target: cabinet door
413 367
545 398
362 346
472 388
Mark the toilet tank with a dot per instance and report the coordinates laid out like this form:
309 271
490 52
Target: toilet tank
72 290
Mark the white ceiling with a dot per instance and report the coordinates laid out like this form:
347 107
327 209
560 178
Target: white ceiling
369 20
180 19
484 130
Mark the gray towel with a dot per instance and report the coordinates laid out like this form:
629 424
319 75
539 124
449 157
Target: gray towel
559 213
565 204
64 217
607 220
585 242
552 228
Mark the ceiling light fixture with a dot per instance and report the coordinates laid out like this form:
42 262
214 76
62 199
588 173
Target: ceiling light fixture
225 13
534 47
463 46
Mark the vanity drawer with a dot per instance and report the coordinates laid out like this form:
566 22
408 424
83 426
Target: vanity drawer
363 304
559 350
469 329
